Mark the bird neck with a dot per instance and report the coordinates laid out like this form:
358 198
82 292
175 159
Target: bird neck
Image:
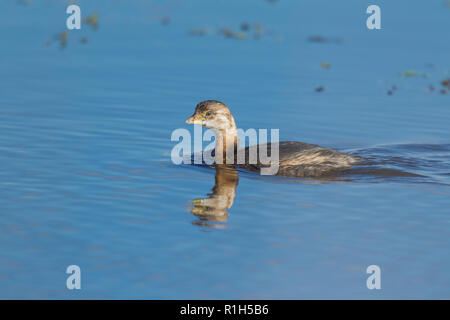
226 145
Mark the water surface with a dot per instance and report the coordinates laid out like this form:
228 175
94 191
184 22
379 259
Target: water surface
86 176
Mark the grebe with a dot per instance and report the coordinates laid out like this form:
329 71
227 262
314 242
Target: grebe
296 159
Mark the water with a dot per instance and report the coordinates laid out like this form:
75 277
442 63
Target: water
86 176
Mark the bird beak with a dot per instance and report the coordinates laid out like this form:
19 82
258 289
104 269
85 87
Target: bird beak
195 119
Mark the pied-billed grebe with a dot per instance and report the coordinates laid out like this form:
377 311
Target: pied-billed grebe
296 159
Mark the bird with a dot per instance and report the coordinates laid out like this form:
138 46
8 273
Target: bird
295 159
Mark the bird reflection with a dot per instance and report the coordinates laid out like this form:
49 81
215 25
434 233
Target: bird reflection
214 207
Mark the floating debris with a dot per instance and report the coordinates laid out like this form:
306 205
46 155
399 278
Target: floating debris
446 83
62 37
165 20
198 32
320 89
240 36
92 20
444 91
392 90
431 88
227 33
245 26
413 73
317 39
321 39
279 39
325 65
408 74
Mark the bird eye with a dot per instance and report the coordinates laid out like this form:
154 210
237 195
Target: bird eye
208 113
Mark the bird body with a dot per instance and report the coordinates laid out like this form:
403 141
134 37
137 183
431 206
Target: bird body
299 159
295 159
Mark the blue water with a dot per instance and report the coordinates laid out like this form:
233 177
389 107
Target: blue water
86 176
